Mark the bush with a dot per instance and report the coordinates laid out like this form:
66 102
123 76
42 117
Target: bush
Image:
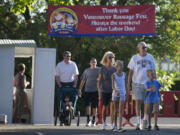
166 79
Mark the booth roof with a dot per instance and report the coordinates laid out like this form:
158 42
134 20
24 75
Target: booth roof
17 43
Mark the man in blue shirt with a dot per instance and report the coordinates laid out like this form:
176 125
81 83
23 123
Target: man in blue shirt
151 100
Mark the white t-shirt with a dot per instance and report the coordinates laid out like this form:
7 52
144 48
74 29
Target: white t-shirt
66 72
140 65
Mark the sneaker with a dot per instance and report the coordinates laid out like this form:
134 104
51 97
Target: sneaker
61 124
115 129
88 123
144 124
112 126
138 127
156 127
121 130
93 123
104 126
149 128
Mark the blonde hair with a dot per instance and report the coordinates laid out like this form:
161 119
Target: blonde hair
105 57
120 63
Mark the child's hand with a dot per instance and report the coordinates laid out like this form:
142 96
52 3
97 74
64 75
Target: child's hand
153 89
117 93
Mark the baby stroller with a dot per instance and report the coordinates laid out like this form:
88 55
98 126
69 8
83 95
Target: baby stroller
65 108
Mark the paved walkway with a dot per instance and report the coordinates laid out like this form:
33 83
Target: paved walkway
168 126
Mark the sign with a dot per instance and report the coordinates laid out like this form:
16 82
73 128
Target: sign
101 20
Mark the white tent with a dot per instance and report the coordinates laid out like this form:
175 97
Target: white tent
41 94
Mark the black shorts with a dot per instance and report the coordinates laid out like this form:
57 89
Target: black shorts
106 98
91 98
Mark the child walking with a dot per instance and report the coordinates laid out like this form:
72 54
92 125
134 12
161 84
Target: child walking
118 95
151 101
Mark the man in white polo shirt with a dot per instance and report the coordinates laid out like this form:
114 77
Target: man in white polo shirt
67 75
67 71
138 66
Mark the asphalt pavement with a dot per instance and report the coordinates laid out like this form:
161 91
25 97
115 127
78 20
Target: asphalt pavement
168 126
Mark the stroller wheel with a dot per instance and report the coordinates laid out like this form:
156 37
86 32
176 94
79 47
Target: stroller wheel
68 118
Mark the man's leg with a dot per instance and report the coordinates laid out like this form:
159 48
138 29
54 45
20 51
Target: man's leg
138 96
138 112
94 105
88 109
145 119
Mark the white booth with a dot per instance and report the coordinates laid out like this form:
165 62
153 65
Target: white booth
41 94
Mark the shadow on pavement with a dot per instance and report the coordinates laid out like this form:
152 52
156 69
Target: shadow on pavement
86 131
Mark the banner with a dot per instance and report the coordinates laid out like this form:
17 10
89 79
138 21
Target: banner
101 20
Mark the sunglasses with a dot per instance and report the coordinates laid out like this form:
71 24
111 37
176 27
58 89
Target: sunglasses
111 57
68 56
144 47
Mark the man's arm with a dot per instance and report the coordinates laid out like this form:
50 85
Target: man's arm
81 86
58 81
127 92
129 80
154 68
75 81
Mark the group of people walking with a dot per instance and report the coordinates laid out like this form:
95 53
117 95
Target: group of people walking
108 84
111 85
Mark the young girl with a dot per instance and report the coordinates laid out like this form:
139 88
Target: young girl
119 94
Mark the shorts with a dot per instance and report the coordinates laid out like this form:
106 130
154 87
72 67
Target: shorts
138 91
152 107
106 98
91 98
121 97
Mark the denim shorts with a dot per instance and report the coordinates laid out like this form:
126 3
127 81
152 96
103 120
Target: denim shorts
138 91
119 97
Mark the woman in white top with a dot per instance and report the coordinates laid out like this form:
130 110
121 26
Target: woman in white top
119 94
